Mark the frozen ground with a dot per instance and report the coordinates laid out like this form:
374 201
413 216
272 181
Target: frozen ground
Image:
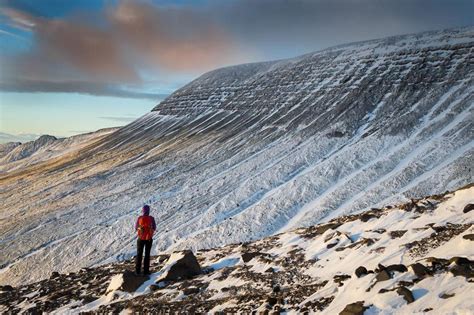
246 152
412 258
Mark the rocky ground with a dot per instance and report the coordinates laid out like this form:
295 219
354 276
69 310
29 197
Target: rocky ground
414 257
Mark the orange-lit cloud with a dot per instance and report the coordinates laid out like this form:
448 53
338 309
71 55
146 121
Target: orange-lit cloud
123 41
176 39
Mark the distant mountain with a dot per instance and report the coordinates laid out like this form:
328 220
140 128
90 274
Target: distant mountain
6 137
248 151
410 258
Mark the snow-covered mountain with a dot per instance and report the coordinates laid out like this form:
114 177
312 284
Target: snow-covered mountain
412 258
248 151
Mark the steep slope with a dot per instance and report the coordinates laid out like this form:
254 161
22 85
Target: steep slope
248 151
411 258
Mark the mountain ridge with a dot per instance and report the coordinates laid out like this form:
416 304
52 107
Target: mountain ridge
226 160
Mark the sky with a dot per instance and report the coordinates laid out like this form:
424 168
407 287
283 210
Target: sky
68 67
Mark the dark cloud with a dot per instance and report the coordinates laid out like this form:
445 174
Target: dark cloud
132 43
92 88
283 28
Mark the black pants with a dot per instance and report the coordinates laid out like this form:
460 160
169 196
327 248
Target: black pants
138 259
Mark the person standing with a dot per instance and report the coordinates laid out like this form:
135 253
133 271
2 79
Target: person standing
145 227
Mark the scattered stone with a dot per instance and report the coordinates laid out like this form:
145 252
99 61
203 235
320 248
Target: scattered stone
246 257
319 229
54 274
88 299
366 217
397 234
429 309
361 271
270 270
339 279
397 267
276 289
419 270
356 308
6 288
446 295
406 294
468 207
271 300
383 275
469 237
191 290
331 235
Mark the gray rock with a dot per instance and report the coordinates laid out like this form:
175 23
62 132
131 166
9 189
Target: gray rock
131 281
184 268
246 257
383 275
356 308
469 237
6 288
469 207
360 271
419 270
406 294
397 267
446 295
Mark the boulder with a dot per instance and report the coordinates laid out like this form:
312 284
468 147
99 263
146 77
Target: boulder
460 261
6 288
361 271
469 237
366 217
462 270
380 267
356 308
419 270
397 234
406 294
469 207
246 257
127 282
180 265
397 267
446 295
383 275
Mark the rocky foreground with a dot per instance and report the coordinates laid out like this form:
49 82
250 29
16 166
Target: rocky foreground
416 257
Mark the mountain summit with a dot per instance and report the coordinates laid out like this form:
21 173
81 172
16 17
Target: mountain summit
248 151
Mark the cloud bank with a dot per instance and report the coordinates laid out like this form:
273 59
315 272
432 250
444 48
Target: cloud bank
121 47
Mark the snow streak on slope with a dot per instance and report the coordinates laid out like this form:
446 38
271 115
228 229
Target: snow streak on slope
246 151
